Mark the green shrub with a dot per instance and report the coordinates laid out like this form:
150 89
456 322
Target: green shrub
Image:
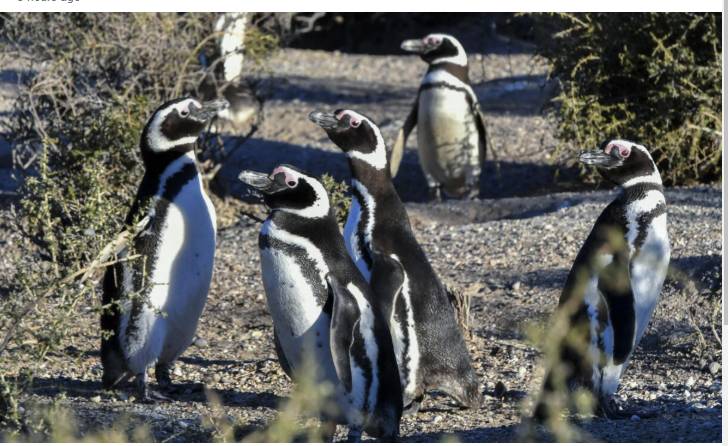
76 127
650 77
339 196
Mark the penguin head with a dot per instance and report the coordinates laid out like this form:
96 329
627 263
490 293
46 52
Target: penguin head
290 190
175 126
357 135
437 48
623 162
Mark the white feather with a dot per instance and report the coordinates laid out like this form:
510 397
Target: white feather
179 279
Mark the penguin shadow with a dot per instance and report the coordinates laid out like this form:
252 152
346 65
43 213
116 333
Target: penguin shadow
335 91
475 435
52 387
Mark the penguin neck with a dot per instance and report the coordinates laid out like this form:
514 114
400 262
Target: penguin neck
378 182
156 162
458 71
303 226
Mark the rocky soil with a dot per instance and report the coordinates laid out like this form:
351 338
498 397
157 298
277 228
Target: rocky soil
510 252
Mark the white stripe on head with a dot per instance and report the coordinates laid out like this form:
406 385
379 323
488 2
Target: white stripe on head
376 158
156 139
319 208
459 59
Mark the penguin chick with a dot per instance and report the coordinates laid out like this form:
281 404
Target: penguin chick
153 301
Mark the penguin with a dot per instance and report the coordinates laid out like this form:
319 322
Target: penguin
153 299
451 131
323 310
615 282
431 352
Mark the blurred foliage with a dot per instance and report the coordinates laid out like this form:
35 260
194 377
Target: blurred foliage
654 78
93 81
338 196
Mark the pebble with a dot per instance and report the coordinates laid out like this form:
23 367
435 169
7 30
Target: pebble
714 368
690 382
201 342
96 399
635 418
516 286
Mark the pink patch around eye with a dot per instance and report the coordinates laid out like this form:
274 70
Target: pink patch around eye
355 123
624 152
292 183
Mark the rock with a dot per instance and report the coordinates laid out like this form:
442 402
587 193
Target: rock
690 382
200 342
714 368
634 418
96 399
123 396
516 286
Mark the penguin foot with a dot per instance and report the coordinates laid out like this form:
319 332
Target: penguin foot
413 407
434 193
608 408
354 435
161 372
153 397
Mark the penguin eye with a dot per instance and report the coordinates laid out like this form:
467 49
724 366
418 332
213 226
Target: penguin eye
184 113
624 152
291 183
354 123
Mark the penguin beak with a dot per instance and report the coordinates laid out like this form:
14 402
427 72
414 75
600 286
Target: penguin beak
326 121
208 110
262 182
600 159
414 46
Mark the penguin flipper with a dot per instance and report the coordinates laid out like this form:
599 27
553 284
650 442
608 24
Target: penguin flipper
344 318
387 281
282 360
395 156
615 287
482 134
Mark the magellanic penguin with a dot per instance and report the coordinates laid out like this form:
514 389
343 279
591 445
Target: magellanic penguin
615 282
322 308
451 138
431 351
153 301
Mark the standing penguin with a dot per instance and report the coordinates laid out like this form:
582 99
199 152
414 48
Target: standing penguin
322 308
431 352
451 138
154 300
616 279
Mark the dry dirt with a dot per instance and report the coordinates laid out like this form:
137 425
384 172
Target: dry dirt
510 251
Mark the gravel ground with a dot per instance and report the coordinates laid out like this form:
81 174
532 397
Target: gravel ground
510 252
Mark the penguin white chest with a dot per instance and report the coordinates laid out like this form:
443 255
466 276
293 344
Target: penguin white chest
294 274
648 271
182 273
447 136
